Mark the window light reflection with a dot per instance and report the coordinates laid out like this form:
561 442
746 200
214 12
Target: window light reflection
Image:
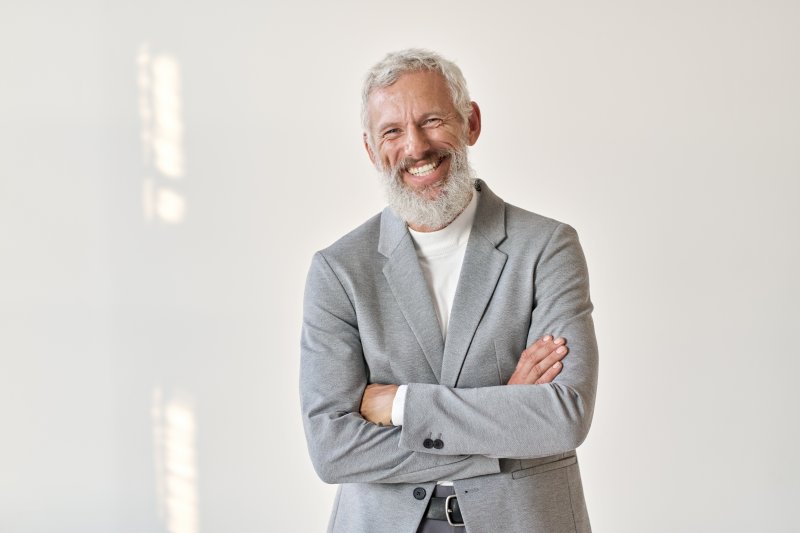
174 437
161 136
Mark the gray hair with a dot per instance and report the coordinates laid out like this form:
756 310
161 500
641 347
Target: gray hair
395 64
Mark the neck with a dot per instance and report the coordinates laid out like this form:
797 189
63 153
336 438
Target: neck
427 229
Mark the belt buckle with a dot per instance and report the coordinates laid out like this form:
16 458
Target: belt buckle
448 512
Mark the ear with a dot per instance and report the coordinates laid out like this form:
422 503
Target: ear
370 153
474 124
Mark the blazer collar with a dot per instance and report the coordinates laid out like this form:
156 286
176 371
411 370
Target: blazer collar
480 271
489 221
407 282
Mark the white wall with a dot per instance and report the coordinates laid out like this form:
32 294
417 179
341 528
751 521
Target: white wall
168 168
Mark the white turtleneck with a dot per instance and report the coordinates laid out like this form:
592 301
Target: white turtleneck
440 255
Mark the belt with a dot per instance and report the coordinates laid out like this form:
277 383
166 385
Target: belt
445 509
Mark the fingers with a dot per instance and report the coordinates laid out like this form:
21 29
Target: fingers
536 362
550 373
525 364
550 366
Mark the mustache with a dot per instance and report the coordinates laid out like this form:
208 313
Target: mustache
408 162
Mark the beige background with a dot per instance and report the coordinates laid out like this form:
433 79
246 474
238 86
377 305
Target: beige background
169 167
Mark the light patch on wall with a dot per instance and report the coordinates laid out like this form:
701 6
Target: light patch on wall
174 440
160 113
162 202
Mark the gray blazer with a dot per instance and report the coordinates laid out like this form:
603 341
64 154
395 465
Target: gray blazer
369 318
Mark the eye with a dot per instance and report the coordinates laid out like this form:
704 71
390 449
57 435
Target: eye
433 121
391 133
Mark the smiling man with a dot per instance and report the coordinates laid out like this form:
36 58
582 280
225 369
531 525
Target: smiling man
436 384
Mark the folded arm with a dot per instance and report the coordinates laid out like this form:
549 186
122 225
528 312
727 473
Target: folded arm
343 446
539 363
529 420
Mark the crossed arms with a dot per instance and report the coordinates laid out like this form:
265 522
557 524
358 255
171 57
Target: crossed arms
542 414
540 363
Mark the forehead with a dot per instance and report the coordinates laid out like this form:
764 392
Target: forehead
413 94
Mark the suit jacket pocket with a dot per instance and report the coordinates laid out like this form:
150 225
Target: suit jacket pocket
545 467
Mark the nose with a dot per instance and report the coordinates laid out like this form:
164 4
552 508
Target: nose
417 143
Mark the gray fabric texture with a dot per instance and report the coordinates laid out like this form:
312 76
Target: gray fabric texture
368 318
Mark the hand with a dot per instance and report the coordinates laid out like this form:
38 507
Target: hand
540 362
376 404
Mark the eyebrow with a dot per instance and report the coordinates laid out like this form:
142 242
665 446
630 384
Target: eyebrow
425 116
387 125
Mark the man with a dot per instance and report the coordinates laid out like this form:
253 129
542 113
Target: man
418 393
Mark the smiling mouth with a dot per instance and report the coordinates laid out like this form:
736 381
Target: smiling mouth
424 170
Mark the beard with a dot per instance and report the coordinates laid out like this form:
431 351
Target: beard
424 207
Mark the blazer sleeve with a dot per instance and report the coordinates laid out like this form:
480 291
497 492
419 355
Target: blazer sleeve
523 421
345 448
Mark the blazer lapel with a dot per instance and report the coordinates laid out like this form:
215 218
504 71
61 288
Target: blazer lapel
480 271
407 282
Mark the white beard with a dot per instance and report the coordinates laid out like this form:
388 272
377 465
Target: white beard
416 208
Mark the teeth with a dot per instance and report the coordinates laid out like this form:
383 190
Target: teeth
424 169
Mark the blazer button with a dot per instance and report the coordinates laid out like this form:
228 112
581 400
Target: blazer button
419 493
428 443
438 444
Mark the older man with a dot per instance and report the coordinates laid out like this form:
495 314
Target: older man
435 383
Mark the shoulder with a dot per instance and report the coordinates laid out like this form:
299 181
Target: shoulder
552 247
518 219
358 241
510 226
353 254
529 229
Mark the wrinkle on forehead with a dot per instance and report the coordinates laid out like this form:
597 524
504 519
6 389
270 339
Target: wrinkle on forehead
411 97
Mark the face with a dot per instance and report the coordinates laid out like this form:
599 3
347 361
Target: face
415 130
